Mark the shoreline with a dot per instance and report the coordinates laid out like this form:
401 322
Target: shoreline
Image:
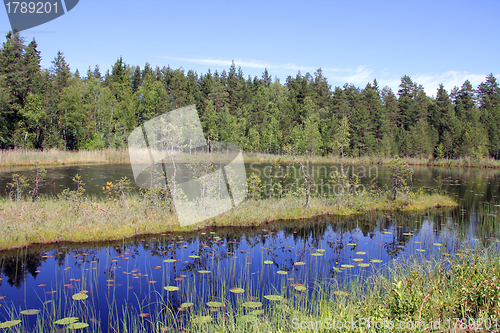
27 158
47 221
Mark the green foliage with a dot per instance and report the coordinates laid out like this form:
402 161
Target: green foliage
77 193
401 177
54 108
17 187
254 187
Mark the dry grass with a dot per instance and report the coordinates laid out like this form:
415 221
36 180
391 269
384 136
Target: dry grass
59 157
461 162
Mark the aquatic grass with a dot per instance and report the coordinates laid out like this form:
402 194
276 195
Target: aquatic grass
20 157
464 162
464 285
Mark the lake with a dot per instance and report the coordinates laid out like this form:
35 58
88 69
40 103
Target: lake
284 258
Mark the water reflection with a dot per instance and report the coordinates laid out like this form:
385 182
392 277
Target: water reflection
134 272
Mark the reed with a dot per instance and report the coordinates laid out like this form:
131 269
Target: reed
18 157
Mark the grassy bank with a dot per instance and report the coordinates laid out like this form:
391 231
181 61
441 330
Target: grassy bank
26 222
9 158
443 162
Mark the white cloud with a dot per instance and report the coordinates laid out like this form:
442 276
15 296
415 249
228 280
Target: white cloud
242 63
358 76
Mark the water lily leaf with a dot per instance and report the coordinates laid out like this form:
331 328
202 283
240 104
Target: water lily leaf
201 320
341 293
320 250
80 296
357 259
352 244
268 262
252 304
248 318
186 305
256 312
317 254
359 253
171 288
387 232
215 304
300 288
337 270
299 263
363 265
170 260
194 256
282 272
376 260
420 250
76 326
237 290
273 297
30 312
438 244
9 323
347 266
67 321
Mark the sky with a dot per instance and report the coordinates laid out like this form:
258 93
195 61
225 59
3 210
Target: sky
353 42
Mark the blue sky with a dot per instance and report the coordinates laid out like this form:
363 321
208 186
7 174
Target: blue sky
352 41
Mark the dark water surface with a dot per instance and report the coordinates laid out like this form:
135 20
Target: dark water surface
202 264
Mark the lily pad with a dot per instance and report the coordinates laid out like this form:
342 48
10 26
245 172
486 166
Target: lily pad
359 253
194 256
30 312
341 293
317 254
186 305
420 250
282 272
256 312
357 259
170 260
76 326
248 318
237 290
347 266
201 320
273 297
9 323
67 321
80 296
300 288
268 262
352 244
320 250
171 288
376 260
438 244
203 272
252 304
363 265
215 304
299 263
337 270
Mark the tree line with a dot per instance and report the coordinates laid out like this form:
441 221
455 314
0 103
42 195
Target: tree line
55 108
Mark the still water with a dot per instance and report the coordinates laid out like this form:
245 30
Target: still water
272 259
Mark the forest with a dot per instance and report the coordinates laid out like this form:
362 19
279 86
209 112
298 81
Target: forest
58 108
